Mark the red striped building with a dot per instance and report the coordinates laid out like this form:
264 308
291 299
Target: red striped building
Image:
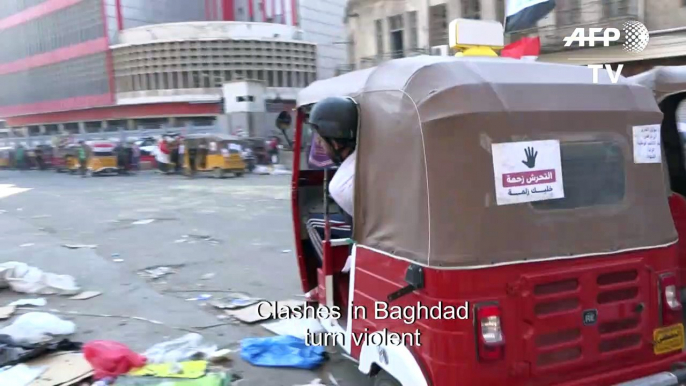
56 60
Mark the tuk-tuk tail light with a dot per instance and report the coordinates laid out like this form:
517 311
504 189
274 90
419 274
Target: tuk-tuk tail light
489 333
670 301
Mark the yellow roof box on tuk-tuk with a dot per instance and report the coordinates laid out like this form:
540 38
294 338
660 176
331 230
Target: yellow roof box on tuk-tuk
476 37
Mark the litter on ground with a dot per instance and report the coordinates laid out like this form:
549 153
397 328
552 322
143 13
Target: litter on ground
21 277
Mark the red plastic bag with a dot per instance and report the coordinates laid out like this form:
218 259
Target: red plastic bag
111 359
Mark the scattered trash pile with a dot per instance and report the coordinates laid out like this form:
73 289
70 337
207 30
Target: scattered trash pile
34 350
274 170
29 359
288 348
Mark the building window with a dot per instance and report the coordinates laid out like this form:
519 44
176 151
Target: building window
379 37
412 26
438 25
395 24
471 9
616 8
568 12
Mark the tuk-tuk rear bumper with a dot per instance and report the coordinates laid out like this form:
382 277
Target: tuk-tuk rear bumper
666 378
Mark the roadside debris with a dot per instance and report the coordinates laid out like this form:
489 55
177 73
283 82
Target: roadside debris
281 351
207 276
281 170
20 375
41 216
200 297
234 301
185 348
63 368
187 370
37 327
316 381
23 278
79 246
157 272
253 314
27 245
118 260
40 302
298 328
6 312
111 359
86 295
261 169
143 222
286 251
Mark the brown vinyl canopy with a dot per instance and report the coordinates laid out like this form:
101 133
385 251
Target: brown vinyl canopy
664 81
424 184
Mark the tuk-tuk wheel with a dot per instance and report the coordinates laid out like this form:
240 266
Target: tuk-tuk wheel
218 173
239 174
384 379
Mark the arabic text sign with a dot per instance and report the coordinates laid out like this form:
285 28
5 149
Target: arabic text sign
647 144
528 178
527 171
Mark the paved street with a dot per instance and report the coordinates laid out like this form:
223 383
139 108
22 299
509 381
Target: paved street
249 250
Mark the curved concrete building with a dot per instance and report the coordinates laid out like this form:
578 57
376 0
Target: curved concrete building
189 62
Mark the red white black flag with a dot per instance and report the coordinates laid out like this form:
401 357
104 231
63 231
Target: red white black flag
525 48
524 14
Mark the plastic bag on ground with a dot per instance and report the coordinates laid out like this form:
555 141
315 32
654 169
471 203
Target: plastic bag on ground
187 347
21 277
37 327
281 351
260 169
20 375
111 359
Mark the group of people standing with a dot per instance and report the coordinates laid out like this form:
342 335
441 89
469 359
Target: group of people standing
170 154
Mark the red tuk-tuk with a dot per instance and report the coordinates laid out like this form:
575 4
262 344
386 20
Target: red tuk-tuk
511 227
669 87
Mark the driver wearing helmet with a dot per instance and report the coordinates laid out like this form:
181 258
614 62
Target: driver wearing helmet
335 119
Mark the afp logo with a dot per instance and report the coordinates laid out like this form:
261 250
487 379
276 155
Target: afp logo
636 36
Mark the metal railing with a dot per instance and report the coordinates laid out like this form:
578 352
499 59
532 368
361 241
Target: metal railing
111 135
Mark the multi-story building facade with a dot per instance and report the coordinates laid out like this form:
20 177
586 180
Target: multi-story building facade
85 65
382 29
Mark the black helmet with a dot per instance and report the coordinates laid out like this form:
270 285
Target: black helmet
335 118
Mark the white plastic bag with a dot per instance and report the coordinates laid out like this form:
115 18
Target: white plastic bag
20 375
37 327
21 277
182 349
261 169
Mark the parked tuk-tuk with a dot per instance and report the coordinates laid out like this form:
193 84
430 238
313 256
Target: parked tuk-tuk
669 87
511 227
64 157
213 153
101 158
6 154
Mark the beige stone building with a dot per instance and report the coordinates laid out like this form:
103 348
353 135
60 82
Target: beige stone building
380 30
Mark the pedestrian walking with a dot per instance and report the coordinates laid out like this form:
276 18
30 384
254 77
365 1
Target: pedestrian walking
136 153
20 155
274 150
181 148
83 158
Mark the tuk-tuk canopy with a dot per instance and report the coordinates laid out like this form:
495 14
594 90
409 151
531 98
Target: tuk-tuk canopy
425 179
663 80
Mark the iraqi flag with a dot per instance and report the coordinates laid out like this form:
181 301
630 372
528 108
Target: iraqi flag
524 14
524 48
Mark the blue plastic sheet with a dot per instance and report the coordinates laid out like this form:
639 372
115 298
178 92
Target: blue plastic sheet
281 351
